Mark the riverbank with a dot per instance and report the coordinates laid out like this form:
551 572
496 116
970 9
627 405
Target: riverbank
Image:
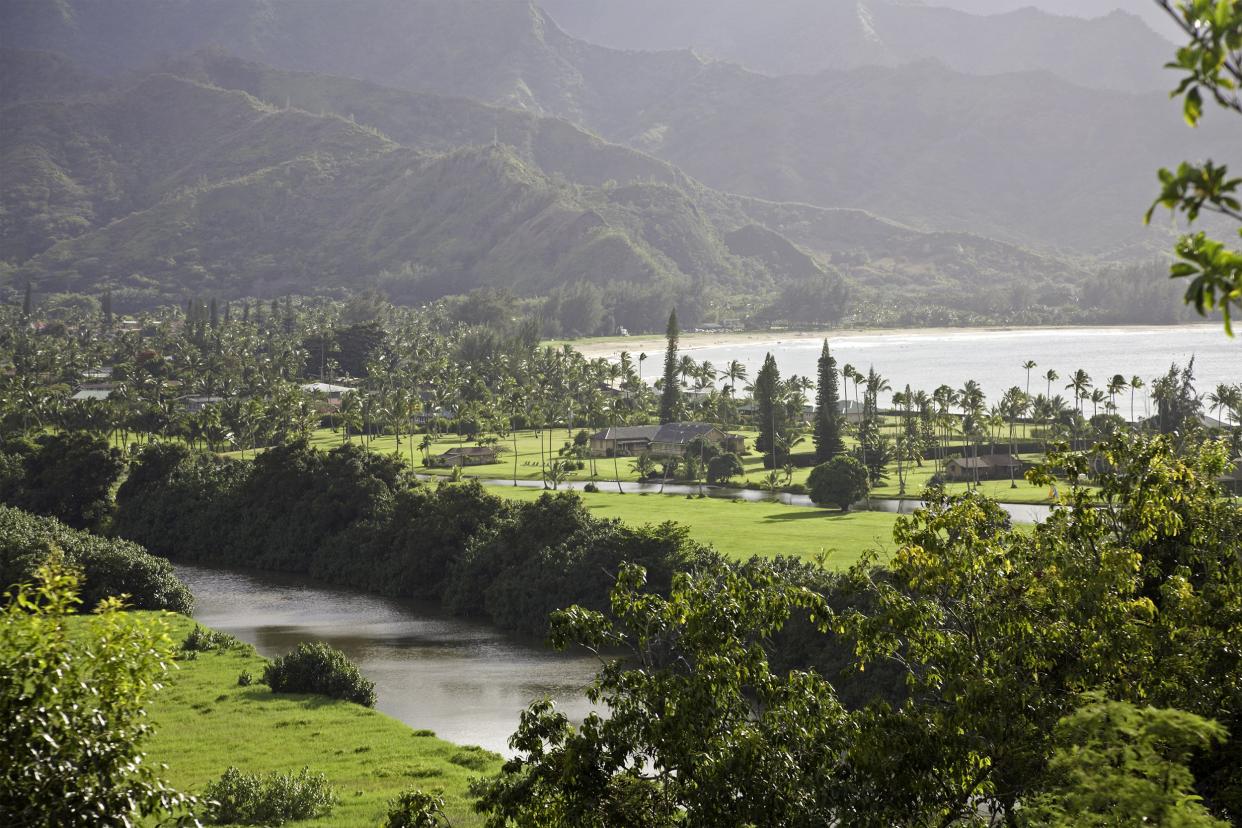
204 722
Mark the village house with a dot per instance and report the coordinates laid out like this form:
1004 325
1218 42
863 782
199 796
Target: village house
669 440
194 403
984 467
331 394
94 391
466 456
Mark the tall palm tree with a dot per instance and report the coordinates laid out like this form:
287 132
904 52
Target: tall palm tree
1115 386
1136 382
1052 376
1029 365
735 372
1080 384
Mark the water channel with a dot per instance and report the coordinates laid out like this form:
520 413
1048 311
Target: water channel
466 681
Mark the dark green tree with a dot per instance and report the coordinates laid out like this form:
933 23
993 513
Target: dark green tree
828 442
839 482
28 301
670 395
214 317
771 413
107 309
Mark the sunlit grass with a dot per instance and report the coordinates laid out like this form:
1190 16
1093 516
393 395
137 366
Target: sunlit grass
204 722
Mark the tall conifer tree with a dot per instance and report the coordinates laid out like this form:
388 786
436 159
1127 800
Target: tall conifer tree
28 302
770 411
828 442
670 397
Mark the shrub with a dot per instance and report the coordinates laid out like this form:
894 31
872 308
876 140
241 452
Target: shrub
318 668
244 679
591 488
722 467
205 640
839 482
415 809
250 799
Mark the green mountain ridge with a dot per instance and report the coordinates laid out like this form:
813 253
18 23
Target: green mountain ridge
174 184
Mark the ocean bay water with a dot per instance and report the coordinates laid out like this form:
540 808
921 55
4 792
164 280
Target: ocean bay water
994 358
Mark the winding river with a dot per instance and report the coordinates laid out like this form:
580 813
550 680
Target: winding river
466 681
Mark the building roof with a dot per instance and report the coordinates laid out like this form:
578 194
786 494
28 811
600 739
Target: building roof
92 394
987 461
628 433
326 388
469 451
682 432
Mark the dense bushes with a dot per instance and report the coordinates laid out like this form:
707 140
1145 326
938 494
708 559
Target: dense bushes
356 519
318 668
250 799
108 567
68 476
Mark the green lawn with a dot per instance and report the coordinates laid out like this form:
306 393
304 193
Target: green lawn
741 530
204 722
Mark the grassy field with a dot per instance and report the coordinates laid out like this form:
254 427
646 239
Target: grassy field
741 530
529 465
205 722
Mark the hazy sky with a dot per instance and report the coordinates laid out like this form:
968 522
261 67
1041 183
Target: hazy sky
1147 9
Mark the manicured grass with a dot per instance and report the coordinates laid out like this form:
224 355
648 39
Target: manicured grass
741 530
204 722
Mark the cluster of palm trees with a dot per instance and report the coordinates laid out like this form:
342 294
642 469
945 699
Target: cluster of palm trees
426 375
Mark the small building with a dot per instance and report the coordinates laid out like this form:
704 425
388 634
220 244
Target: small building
94 391
984 467
328 393
669 440
623 441
466 456
194 403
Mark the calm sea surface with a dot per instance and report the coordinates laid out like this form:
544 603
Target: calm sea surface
994 359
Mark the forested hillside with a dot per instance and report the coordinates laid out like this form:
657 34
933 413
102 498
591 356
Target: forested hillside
225 177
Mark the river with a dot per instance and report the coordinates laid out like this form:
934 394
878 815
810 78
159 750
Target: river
466 681
944 356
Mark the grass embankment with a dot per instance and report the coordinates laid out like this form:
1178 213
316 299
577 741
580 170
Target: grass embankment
204 722
741 530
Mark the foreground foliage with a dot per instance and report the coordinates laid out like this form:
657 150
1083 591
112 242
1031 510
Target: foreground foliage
73 710
1005 644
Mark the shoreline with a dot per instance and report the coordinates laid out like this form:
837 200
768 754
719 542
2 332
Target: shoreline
655 343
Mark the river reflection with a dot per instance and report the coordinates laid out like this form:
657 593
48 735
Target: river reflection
465 681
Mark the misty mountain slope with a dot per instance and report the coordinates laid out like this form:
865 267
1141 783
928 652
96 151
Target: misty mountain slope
1026 158
1023 158
1117 51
